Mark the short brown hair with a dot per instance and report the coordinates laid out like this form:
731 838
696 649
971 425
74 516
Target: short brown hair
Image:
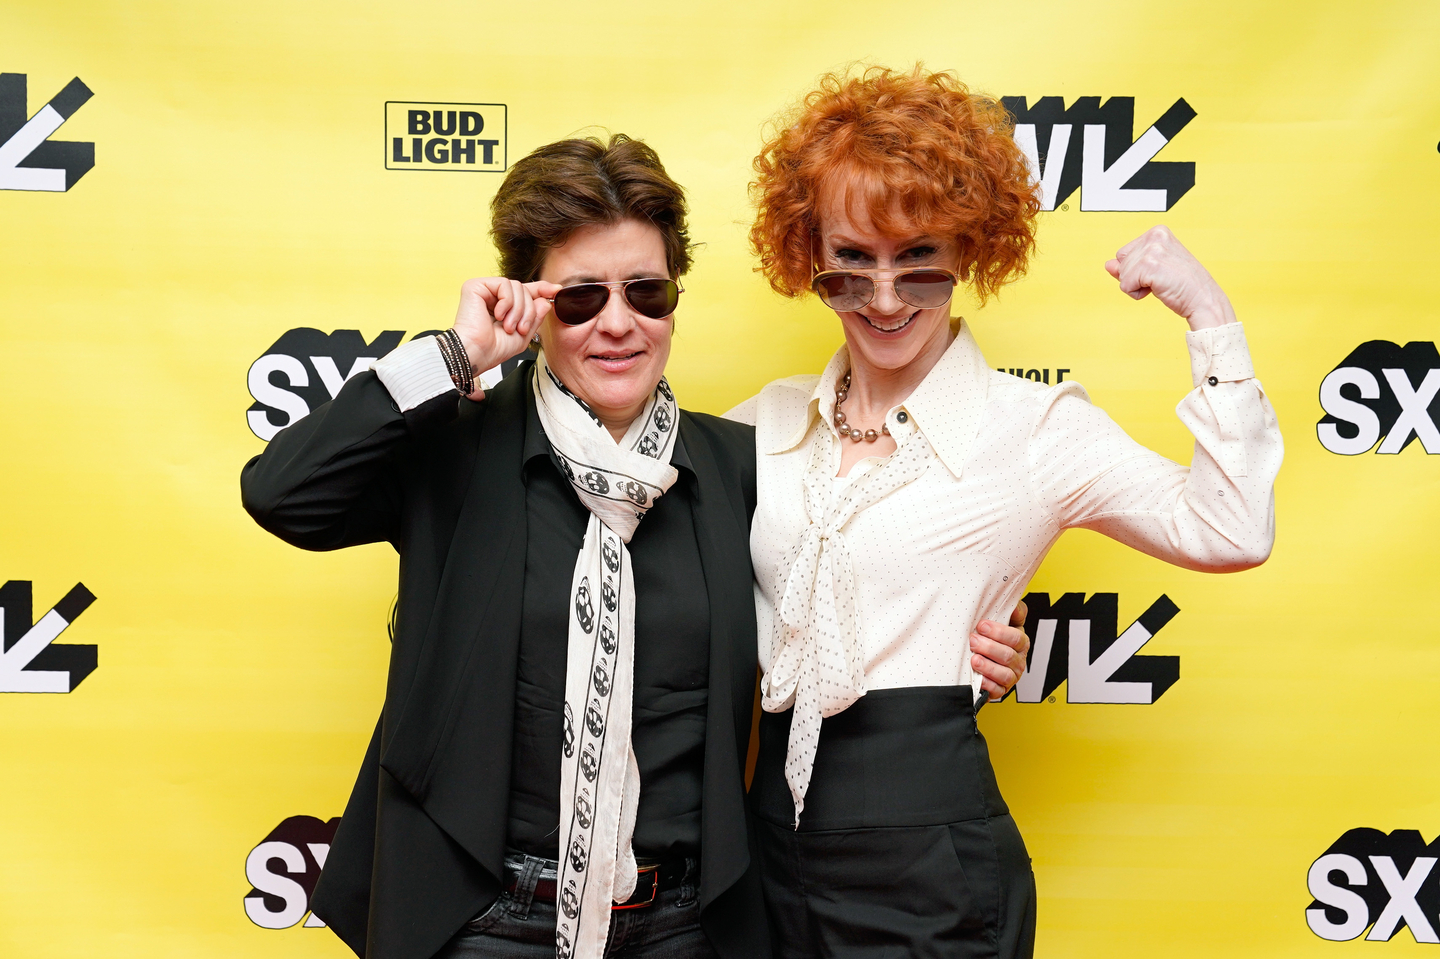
569 184
916 144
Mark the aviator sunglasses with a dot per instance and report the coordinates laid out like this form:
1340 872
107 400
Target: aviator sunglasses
655 298
846 291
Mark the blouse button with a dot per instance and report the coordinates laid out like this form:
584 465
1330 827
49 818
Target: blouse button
902 416
1213 381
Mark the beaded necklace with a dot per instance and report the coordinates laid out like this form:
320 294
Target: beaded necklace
856 435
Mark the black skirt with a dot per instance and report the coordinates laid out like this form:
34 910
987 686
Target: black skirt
905 847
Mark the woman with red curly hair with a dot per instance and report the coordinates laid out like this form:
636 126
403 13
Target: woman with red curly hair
910 491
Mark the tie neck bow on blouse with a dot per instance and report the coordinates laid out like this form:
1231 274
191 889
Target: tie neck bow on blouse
819 665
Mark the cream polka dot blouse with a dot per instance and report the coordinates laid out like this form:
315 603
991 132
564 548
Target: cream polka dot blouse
878 582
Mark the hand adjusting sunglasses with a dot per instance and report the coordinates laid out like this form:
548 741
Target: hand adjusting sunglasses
848 290
655 298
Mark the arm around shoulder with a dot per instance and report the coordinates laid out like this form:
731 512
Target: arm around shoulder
732 444
745 412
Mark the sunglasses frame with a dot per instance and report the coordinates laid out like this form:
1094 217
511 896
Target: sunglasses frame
876 277
623 286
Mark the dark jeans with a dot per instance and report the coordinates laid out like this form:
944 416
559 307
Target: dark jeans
518 926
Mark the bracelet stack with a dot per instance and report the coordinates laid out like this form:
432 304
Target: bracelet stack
457 361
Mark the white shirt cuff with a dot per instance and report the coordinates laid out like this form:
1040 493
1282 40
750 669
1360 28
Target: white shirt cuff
414 373
1219 352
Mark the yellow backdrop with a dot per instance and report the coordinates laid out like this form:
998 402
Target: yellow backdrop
245 184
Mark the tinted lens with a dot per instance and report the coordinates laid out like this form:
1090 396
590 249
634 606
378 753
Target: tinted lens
656 299
924 288
576 304
845 292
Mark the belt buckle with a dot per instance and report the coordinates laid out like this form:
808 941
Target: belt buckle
654 873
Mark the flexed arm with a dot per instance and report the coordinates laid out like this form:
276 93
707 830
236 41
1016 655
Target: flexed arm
1217 514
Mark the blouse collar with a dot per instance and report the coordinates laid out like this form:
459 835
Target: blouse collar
946 407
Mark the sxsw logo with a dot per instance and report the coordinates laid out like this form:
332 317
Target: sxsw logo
307 367
1382 389
445 136
1076 642
30 659
1091 147
1368 880
283 870
29 159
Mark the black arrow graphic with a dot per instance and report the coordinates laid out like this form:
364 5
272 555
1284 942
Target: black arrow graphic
1059 131
29 160
30 660
1049 661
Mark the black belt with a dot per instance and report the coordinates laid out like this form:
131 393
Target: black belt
650 881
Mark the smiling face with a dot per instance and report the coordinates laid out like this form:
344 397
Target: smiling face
888 333
614 361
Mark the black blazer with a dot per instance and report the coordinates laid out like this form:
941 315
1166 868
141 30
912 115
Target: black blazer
420 848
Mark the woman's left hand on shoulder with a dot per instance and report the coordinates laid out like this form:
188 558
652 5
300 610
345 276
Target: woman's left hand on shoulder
1155 262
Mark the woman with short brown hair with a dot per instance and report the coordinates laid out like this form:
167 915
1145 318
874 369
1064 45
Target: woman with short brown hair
575 615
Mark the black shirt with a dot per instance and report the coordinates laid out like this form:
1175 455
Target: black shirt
672 650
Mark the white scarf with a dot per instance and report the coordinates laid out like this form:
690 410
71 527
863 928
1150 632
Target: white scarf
599 779
820 662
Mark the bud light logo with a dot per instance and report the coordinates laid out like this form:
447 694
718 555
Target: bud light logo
458 137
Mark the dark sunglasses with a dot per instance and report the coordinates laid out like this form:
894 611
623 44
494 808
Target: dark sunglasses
655 298
848 290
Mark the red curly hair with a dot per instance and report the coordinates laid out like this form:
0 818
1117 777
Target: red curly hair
918 152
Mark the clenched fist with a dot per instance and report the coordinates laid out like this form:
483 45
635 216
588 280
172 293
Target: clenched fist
1155 262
